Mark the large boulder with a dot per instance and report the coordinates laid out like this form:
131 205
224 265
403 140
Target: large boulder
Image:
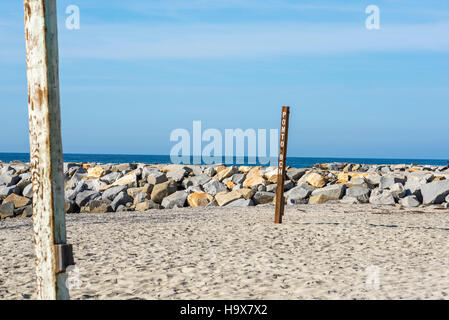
241 203
199 199
387 181
123 167
333 192
147 205
177 175
8 180
156 177
94 185
316 180
254 181
238 178
435 192
210 171
196 181
319 199
214 186
6 191
112 192
129 180
110 178
362 194
295 174
226 173
120 200
28 191
247 193
84 197
398 190
162 190
300 192
95 172
175 200
262 197
410 202
99 206
6 210
17 200
223 198
382 197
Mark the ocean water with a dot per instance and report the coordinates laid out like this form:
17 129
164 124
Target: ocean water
297 162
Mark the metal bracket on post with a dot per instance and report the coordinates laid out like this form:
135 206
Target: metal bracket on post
64 257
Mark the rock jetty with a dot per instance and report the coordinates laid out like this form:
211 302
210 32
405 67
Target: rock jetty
101 188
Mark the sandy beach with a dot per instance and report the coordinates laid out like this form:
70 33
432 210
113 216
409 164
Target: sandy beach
320 252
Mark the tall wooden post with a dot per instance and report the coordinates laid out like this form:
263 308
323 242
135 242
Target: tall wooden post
51 251
280 202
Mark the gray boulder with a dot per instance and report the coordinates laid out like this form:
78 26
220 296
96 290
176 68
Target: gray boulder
28 191
111 193
398 191
7 210
71 194
157 177
410 202
84 197
387 181
196 181
177 175
382 197
238 178
214 186
8 180
349 200
241 203
262 197
6 191
120 200
100 206
435 192
110 178
413 186
94 184
333 192
76 179
210 171
295 174
177 199
299 192
362 194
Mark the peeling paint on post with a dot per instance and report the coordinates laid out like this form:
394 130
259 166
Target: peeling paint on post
280 201
45 145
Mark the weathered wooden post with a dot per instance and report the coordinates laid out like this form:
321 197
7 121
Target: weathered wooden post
52 253
280 202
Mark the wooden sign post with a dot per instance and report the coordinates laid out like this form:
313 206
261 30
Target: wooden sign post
280 202
52 254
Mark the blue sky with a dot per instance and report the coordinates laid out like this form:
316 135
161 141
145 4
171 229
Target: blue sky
136 70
